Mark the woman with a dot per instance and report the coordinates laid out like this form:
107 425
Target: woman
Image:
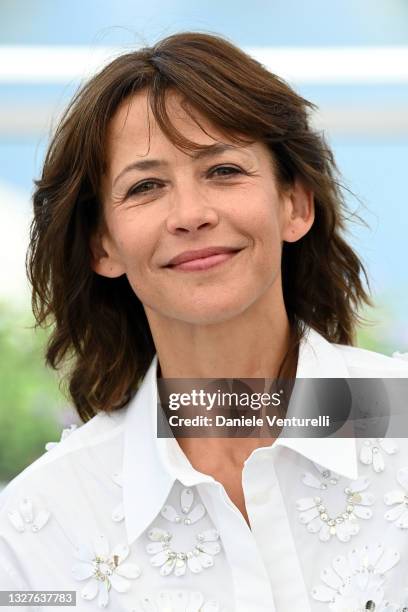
189 224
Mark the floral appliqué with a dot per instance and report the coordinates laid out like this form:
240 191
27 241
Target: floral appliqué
372 452
104 570
186 501
356 582
64 434
26 519
315 515
320 480
398 355
170 560
398 498
177 601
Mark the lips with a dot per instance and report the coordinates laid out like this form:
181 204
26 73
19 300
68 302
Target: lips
199 254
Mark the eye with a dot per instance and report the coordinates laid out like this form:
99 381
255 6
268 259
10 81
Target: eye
143 187
226 170
150 185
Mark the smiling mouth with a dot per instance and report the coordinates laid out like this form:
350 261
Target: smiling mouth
204 263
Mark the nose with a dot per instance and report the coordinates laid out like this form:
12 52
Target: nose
190 211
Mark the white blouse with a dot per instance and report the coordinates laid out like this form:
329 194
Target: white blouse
122 518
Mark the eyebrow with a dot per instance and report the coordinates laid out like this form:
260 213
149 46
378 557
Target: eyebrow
148 164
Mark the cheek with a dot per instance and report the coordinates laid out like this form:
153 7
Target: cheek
133 241
265 229
263 223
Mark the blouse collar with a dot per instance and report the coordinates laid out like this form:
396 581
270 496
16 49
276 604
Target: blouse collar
151 465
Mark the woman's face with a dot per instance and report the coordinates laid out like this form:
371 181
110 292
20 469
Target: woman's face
159 202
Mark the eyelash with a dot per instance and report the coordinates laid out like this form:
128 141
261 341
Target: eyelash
136 190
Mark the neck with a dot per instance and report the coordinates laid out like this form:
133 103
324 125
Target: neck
250 345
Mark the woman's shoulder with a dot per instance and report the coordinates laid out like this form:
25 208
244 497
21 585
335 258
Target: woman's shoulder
363 363
75 444
56 499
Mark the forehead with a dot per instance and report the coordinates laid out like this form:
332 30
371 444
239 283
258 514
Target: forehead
134 120
134 129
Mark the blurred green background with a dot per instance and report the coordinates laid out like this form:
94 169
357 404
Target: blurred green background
33 410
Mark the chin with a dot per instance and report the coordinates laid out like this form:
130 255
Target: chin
210 313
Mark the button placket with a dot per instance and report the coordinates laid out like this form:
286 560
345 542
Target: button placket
272 531
252 588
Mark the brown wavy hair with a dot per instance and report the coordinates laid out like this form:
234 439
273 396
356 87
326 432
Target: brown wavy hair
99 327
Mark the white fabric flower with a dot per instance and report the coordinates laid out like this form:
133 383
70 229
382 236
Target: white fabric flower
186 501
177 601
398 498
399 355
25 519
314 514
370 452
321 479
64 434
200 554
104 570
172 561
355 580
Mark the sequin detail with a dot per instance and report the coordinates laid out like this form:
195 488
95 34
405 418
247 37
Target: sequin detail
313 512
171 561
356 579
26 518
188 514
398 499
104 570
374 450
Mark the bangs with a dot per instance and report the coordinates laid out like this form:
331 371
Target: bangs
157 96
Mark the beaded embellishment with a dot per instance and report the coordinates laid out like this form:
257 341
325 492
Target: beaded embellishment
373 451
186 501
104 570
315 515
169 560
320 480
25 518
398 499
165 555
356 582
